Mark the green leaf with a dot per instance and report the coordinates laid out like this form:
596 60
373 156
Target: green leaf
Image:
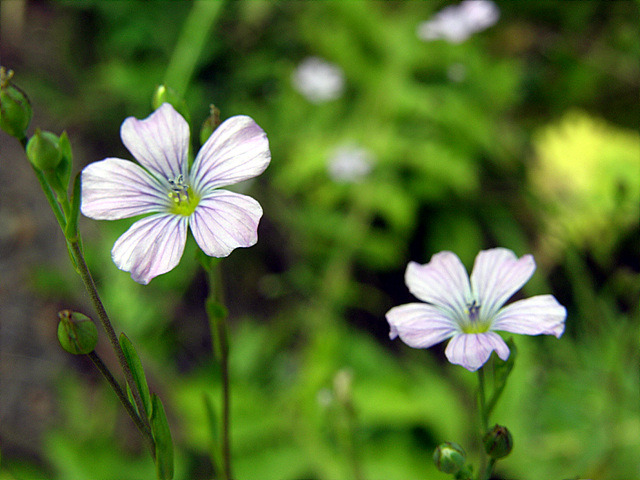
212 420
133 360
162 438
501 371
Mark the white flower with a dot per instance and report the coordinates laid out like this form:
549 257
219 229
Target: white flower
318 80
456 23
470 312
350 164
174 196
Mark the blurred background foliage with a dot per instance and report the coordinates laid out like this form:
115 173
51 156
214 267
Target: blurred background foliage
524 136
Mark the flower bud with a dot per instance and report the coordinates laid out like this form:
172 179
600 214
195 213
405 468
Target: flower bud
15 108
77 333
449 457
43 150
498 442
210 124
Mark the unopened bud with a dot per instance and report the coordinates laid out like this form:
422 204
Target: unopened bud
210 124
498 442
43 150
15 108
77 333
449 457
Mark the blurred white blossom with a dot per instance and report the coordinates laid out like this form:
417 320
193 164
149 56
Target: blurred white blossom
456 23
350 164
318 80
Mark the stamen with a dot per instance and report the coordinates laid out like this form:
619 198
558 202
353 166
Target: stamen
183 198
473 309
179 191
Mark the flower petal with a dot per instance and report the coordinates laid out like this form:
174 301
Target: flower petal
473 350
160 142
114 188
224 221
498 274
443 282
533 316
152 246
237 150
420 325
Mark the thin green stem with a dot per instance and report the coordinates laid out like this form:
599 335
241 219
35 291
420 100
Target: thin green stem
106 373
220 339
484 417
106 324
489 470
191 43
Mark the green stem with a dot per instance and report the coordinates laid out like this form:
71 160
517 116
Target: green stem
489 470
220 339
106 324
191 43
484 417
106 373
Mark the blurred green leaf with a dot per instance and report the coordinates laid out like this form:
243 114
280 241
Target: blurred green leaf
162 438
139 378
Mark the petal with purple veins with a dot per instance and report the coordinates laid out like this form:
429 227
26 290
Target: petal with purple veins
420 325
237 150
474 349
540 315
160 142
224 221
152 246
114 188
498 274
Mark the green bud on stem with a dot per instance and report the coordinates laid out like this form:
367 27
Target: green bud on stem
210 124
449 457
77 333
498 442
43 150
15 108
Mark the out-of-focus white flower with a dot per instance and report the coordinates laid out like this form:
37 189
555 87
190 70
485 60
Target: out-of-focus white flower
350 164
318 80
456 23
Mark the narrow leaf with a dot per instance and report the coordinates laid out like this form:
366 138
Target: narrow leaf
162 438
133 360
214 435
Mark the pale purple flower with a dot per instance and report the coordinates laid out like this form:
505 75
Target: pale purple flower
175 196
318 80
470 312
456 23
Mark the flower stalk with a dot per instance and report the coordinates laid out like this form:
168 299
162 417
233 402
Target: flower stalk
137 419
90 285
217 315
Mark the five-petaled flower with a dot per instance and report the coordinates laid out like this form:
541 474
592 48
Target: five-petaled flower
175 196
469 312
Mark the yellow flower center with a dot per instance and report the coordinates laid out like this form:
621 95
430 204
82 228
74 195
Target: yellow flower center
474 325
184 200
